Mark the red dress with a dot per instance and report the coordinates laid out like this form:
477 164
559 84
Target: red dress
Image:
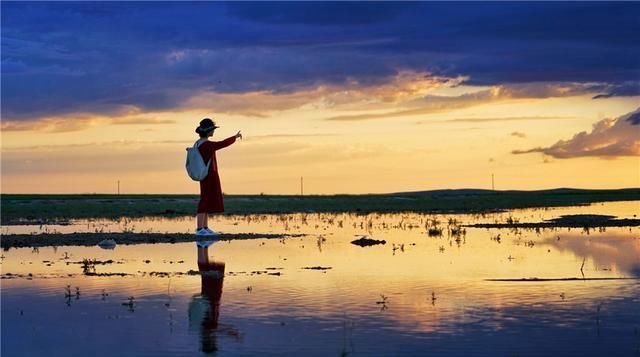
210 189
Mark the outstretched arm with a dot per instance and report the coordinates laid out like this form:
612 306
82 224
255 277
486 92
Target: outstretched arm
217 145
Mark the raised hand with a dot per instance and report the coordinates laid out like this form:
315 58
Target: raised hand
238 135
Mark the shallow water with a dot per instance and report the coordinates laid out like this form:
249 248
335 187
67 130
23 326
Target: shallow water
428 296
317 223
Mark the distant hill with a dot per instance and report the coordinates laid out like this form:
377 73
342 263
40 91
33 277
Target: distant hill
478 192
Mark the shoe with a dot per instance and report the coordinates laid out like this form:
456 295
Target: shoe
204 243
211 233
201 232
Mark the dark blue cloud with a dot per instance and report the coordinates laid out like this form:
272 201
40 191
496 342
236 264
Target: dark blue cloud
634 118
325 13
619 89
105 57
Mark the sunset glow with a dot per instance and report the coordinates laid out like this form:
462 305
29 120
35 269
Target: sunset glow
378 102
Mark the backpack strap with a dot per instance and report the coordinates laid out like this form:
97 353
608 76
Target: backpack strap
199 142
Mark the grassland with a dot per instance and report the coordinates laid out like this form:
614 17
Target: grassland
16 208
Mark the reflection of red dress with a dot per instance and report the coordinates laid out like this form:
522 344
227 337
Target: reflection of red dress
210 188
212 274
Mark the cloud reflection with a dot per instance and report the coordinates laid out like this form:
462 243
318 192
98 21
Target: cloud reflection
613 250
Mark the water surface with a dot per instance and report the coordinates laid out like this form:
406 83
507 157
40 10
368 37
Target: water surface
414 295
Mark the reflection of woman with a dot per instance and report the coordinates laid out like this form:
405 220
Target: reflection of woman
210 188
204 308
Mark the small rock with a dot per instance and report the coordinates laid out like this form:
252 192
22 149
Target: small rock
107 244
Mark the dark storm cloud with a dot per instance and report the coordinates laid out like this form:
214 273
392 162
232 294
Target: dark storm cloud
634 118
110 58
619 90
322 13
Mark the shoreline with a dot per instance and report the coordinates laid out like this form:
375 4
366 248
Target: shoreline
92 239
15 208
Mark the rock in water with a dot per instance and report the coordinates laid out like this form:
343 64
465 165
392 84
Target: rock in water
107 244
364 241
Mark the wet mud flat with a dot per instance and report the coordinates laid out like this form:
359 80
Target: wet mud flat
91 239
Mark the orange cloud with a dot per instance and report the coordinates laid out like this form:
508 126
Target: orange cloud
406 85
51 125
429 104
140 121
609 138
76 122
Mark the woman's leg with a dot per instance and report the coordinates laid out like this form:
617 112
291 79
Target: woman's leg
201 219
203 256
206 220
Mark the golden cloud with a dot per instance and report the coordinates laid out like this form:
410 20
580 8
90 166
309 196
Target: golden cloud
608 138
406 85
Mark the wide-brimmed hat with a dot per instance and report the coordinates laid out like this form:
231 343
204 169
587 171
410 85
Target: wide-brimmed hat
206 125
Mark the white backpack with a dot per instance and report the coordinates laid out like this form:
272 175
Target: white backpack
196 168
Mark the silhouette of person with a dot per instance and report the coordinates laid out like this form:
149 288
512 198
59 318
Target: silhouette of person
204 308
211 198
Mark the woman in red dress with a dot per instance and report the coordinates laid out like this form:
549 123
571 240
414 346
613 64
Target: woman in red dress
210 189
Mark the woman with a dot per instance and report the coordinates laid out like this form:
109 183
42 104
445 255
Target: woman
210 189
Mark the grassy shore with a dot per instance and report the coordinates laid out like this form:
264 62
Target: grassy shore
47 207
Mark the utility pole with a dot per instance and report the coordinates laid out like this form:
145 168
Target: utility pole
118 187
493 186
301 186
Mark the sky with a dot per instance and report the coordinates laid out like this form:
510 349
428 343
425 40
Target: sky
354 97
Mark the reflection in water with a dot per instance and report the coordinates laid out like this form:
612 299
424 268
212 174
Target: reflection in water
435 291
608 250
204 308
